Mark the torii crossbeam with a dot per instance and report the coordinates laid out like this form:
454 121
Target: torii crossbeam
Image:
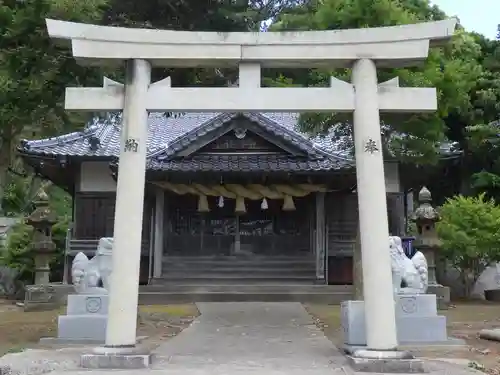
339 97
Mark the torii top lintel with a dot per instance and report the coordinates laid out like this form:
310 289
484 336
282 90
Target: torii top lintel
393 46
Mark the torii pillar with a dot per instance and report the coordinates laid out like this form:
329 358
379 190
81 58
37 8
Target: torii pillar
372 207
124 294
387 46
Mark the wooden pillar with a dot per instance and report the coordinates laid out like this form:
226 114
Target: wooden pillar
158 232
67 266
237 236
320 242
396 212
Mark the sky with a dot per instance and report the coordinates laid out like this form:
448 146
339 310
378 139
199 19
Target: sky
481 16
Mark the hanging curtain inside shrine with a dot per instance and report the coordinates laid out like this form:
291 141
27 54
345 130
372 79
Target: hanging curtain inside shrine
240 193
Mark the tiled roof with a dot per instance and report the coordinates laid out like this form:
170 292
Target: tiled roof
162 132
246 163
168 135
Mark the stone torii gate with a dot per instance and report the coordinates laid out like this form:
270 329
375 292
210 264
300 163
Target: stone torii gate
363 50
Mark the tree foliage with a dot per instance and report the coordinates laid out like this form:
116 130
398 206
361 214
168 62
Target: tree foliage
20 193
481 135
453 70
19 255
195 15
35 71
470 236
484 158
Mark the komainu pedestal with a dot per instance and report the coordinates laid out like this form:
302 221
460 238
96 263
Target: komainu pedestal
417 321
85 320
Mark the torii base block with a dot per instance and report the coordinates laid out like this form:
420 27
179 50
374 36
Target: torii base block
117 358
388 362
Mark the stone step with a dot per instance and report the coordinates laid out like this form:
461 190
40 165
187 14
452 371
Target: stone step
237 269
243 267
228 282
272 288
273 261
159 298
238 257
240 272
234 279
269 265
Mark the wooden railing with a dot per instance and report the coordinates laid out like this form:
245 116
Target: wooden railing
89 247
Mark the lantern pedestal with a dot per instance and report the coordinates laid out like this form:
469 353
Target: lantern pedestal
428 243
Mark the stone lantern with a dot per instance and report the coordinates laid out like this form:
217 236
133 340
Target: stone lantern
428 242
42 219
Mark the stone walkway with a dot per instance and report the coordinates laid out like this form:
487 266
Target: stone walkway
248 338
243 339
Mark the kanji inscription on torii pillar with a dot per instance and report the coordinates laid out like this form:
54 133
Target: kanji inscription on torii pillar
371 146
131 145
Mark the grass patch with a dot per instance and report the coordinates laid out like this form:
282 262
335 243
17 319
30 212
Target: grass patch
464 321
15 349
20 330
180 310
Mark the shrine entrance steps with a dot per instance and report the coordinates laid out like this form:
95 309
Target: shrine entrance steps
241 279
239 269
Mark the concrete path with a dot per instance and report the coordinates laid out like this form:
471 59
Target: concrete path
248 338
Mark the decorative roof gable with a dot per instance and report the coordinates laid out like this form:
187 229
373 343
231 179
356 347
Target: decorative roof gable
240 140
280 136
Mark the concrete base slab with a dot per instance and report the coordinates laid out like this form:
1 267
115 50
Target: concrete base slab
386 366
451 343
490 334
116 358
456 361
383 362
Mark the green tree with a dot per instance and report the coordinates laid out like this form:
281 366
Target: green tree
195 15
481 138
453 70
34 72
18 254
192 15
470 238
484 158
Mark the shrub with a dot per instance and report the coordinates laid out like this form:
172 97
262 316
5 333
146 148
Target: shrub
18 254
8 281
470 234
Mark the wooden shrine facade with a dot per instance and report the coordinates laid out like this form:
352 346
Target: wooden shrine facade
271 232
219 185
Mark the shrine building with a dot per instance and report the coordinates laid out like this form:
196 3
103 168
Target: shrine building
230 198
